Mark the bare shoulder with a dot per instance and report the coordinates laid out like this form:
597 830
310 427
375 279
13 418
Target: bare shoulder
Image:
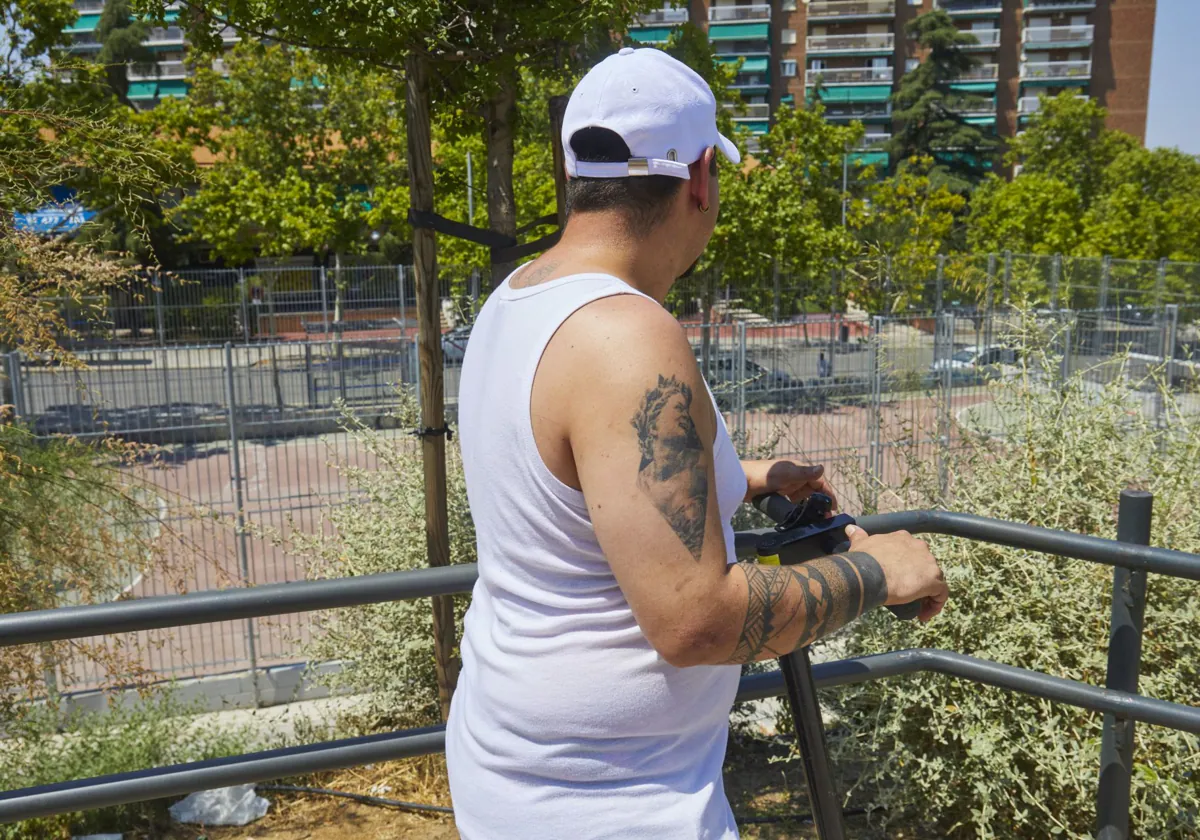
624 332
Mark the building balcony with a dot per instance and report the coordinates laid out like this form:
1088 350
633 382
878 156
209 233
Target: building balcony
82 41
1060 5
732 14
871 141
1055 72
971 8
988 39
838 10
166 70
1027 105
869 44
749 110
658 17
849 76
85 6
981 73
1057 37
861 111
984 108
164 35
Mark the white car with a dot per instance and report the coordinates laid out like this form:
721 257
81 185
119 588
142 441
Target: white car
977 363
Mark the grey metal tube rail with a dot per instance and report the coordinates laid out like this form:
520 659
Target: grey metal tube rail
179 779
1163 561
277 599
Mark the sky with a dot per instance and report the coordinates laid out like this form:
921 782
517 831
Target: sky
1174 118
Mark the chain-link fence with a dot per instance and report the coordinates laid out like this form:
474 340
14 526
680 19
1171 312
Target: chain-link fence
245 436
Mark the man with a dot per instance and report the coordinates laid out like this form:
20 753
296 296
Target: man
602 647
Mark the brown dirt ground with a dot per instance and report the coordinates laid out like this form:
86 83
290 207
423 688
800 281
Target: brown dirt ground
757 788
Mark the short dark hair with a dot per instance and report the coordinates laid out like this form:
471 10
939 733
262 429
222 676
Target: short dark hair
644 200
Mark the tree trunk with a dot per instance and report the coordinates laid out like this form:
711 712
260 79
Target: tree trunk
502 204
558 108
433 446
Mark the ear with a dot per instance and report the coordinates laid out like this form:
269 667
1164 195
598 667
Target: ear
700 174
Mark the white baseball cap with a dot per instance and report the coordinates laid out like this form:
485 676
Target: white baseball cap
659 106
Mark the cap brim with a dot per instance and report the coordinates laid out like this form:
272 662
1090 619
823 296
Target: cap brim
727 148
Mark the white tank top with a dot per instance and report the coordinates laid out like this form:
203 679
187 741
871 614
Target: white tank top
567 724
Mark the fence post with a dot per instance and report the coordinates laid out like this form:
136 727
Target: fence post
15 384
235 477
874 420
1172 312
775 283
1105 275
1064 372
989 300
741 401
324 305
1007 276
941 279
403 311
159 319
1160 283
1124 661
310 384
944 338
1055 277
245 294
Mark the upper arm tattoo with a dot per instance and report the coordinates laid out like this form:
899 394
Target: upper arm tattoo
832 592
672 470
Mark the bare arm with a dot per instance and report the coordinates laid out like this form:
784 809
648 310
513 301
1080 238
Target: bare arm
641 428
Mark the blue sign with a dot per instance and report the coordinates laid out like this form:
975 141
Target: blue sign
57 219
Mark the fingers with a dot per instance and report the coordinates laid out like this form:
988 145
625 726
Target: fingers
855 534
933 604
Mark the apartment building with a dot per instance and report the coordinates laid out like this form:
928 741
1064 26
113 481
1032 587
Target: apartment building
857 48
171 71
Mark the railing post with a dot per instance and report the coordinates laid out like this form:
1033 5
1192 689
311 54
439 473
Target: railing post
1172 312
945 329
245 295
775 284
1160 283
159 318
236 478
308 376
741 401
941 279
1105 275
15 384
1007 276
403 311
1055 278
1124 661
874 420
324 305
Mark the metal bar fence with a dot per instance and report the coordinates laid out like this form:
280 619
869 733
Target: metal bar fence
1121 707
865 396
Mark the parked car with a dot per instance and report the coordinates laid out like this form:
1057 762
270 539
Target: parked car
765 387
975 364
454 345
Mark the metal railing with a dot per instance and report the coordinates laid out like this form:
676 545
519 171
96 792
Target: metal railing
749 110
869 42
849 75
660 16
872 140
1072 70
858 110
1059 5
1130 556
85 6
162 35
1032 104
165 70
725 14
987 38
1049 37
819 9
970 7
982 72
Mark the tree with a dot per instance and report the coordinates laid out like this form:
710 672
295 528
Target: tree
929 110
1035 213
904 223
122 44
300 149
783 209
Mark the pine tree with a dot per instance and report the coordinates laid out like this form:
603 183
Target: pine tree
122 40
928 110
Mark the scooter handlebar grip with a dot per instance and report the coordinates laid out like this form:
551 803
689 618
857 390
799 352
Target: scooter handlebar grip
775 506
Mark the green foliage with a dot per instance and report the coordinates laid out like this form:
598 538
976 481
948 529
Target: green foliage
926 107
387 648
121 44
46 747
1033 214
299 149
785 206
972 761
903 224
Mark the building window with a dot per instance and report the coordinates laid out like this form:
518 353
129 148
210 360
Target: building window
911 64
787 67
788 5
787 36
